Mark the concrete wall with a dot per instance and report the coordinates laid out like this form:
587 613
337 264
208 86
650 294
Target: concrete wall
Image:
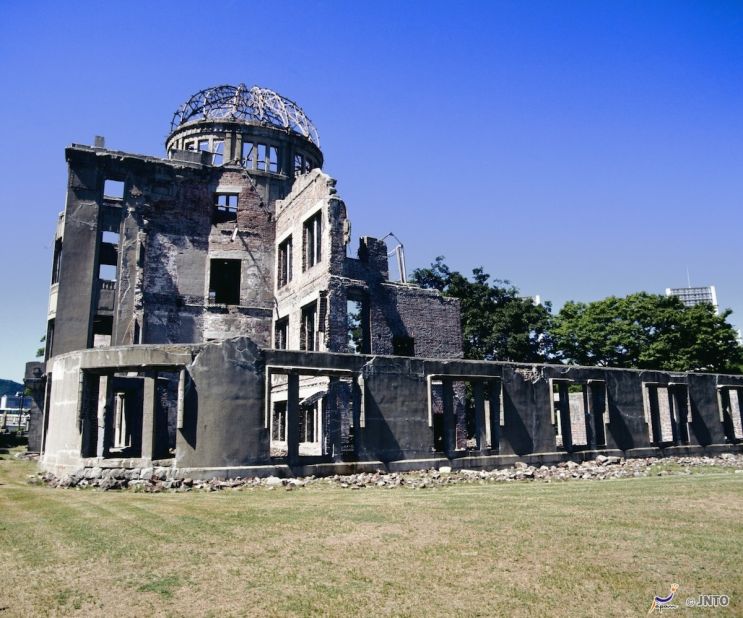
224 428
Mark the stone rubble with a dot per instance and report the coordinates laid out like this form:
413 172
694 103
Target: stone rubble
156 480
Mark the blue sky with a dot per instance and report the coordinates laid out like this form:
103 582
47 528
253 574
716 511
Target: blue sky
579 149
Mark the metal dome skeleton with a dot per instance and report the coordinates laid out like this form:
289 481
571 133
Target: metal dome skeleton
254 104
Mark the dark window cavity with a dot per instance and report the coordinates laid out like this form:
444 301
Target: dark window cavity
281 334
57 261
224 282
403 345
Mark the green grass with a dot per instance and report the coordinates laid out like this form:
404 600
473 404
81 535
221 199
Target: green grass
583 548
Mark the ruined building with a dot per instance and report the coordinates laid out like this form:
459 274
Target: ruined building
205 316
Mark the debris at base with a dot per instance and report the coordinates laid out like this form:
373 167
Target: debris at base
602 468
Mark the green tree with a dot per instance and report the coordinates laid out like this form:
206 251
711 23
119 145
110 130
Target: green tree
496 323
646 331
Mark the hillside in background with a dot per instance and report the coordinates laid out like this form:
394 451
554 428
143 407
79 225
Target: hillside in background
8 387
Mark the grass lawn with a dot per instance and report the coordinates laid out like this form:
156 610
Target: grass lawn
579 548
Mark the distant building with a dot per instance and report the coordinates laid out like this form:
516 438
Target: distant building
694 296
14 412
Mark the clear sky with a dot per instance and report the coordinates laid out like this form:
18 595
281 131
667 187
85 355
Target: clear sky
578 149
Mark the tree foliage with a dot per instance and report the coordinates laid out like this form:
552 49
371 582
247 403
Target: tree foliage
496 323
647 331
643 331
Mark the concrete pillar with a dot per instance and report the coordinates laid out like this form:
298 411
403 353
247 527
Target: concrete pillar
495 420
292 419
480 425
333 420
357 401
149 408
227 148
450 421
104 431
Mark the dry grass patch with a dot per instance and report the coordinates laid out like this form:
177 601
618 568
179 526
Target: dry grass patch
577 548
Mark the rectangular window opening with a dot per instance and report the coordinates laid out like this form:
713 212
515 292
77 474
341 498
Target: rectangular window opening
57 261
284 274
107 272
312 241
308 330
281 334
357 321
403 345
113 189
273 159
261 163
225 207
224 281
278 422
308 423
110 237
569 410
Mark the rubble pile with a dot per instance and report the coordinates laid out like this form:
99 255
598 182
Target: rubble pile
602 468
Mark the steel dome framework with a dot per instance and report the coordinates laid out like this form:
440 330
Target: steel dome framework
254 104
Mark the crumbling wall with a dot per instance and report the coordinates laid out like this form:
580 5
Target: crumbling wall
313 195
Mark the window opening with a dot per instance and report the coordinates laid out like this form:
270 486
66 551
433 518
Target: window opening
278 422
308 334
312 241
110 237
248 155
308 423
285 262
403 345
107 272
225 207
281 334
261 164
273 159
102 331
224 281
357 326
57 261
113 189
226 202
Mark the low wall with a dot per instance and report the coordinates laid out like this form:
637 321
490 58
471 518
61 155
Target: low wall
233 403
